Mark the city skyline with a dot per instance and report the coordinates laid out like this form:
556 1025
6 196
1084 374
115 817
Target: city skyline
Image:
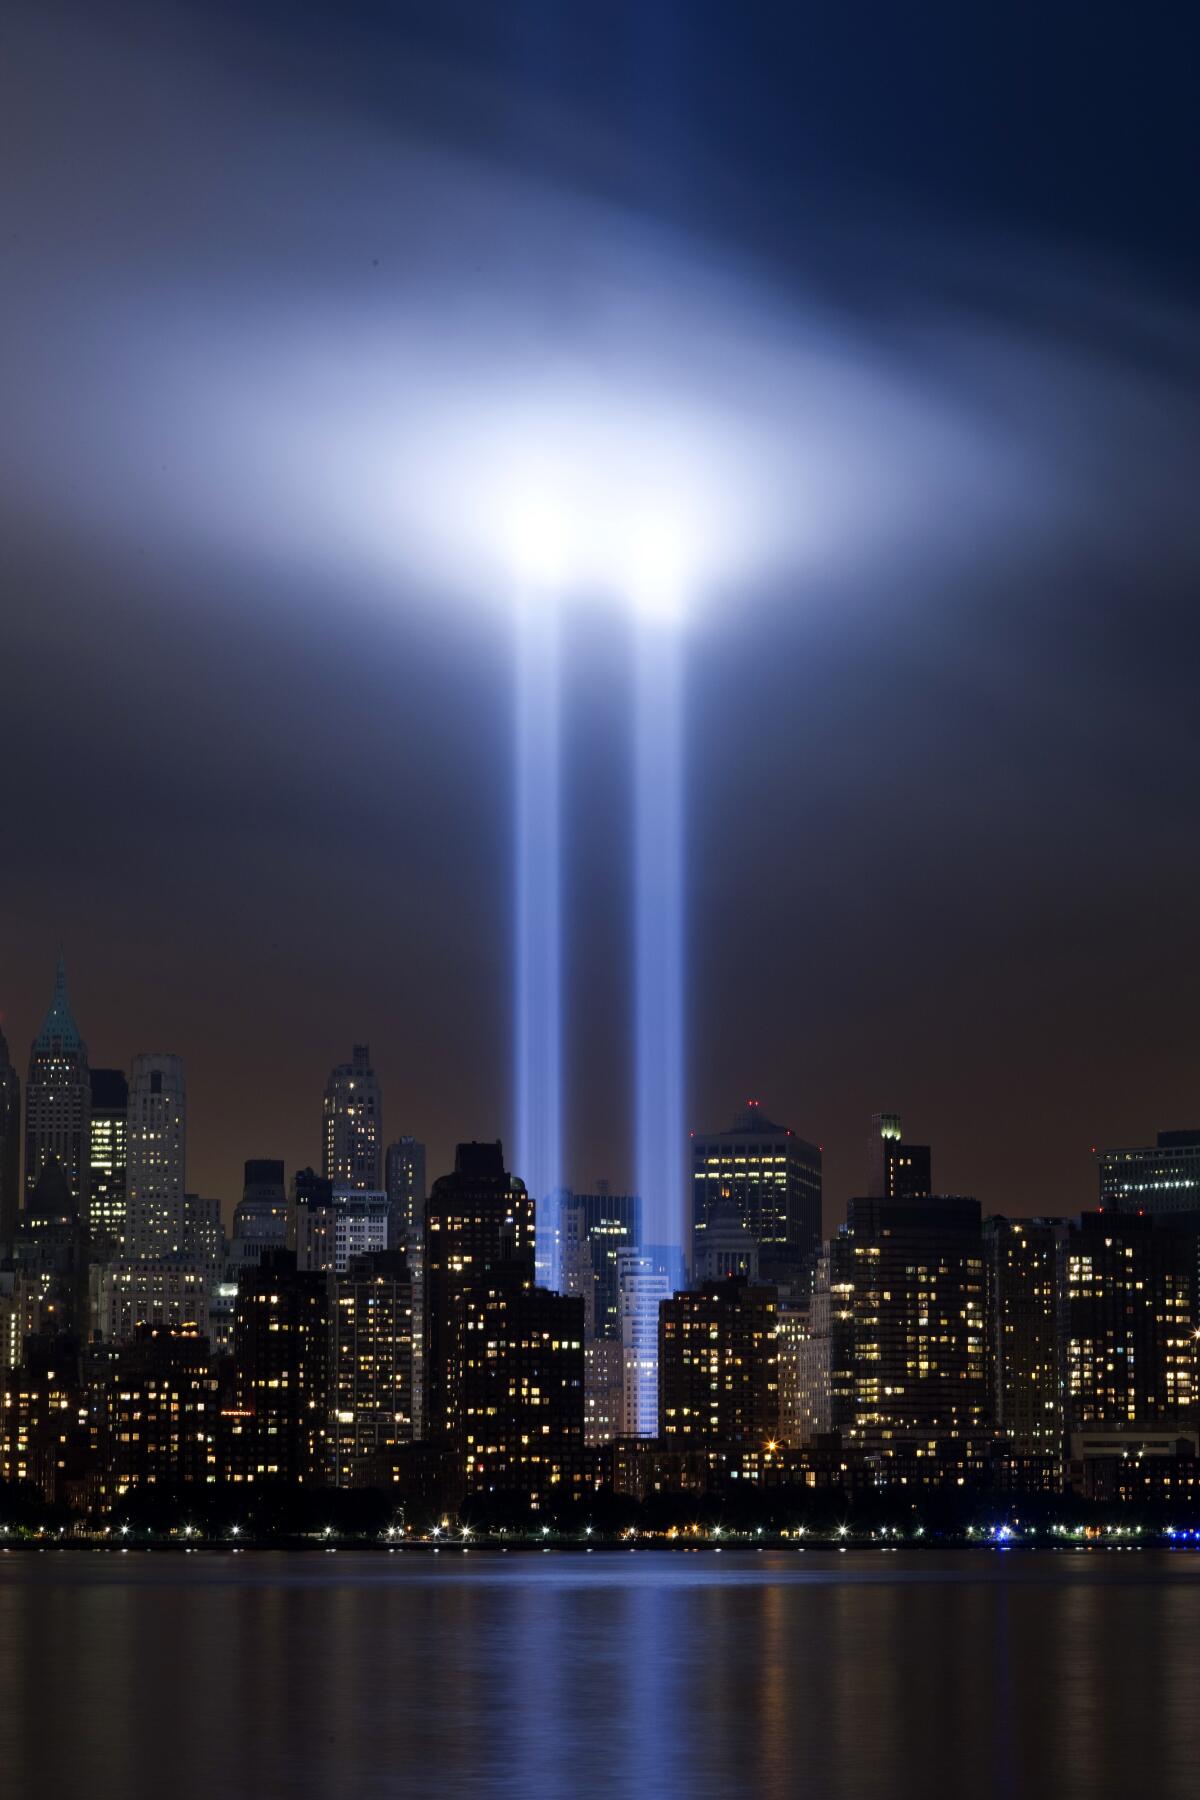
280 777
849 1158
598 900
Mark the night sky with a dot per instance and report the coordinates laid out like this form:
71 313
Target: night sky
928 278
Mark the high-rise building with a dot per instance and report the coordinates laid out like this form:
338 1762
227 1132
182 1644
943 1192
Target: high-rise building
727 1247
1025 1320
896 1170
260 1219
168 1293
642 1285
522 1385
1131 1321
603 1390
10 1149
109 1155
805 1410
772 1178
282 1364
352 1135
43 1423
908 1283
594 1228
718 1364
52 1257
158 1406
58 1099
475 1219
405 1184
372 1402
360 1226
313 1225
203 1230
156 1166
1160 1178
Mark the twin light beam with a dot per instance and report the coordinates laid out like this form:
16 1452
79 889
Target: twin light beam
653 588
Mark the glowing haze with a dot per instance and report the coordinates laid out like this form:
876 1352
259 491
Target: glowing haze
309 315
523 364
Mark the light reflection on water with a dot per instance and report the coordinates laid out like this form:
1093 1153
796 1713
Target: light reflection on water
526 1675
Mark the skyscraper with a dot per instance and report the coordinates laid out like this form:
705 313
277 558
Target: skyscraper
594 1228
896 1170
10 1149
907 1277
158 1412
352 1135
58 1099
405 1184
642 1285
313 1226
718 1364
281 1357
521 1385
475 1219
372 1401
360 1225
1131 1319
1159 1178
51 1255
260 1219
1026 1310
157 1156
109 1156
771 1176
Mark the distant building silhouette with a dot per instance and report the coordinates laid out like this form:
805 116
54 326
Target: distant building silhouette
313 1222
896 1170
58 1099
405 1184
52 1258
260 1219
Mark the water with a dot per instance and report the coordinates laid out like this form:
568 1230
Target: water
534 1675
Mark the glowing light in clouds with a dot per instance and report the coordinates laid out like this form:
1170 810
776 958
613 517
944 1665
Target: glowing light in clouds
430 378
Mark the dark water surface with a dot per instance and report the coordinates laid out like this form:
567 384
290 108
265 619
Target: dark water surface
781 1673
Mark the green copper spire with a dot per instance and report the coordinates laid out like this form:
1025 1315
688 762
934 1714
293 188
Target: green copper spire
59 1030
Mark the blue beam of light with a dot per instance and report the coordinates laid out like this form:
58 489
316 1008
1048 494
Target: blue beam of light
659 936
538 920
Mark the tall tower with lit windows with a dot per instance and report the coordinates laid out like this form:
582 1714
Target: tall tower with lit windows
352 1126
